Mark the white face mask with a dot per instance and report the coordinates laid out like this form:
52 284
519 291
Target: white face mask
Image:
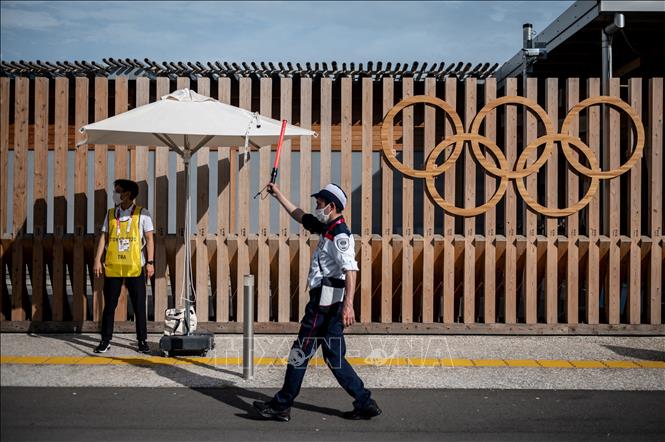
321 215
116 198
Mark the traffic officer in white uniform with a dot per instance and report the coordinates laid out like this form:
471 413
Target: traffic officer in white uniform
331 281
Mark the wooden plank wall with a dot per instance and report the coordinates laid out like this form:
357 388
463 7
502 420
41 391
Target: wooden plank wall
444 275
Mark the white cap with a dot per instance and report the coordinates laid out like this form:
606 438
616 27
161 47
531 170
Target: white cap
332 192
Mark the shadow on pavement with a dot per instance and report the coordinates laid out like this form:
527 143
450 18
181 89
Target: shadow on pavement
87 342
637 353
228 392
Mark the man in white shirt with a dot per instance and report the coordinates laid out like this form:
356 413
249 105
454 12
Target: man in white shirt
126 232
331 281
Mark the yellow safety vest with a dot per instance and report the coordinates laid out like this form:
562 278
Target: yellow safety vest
123 254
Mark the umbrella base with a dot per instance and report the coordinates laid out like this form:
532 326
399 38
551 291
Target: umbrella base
194 344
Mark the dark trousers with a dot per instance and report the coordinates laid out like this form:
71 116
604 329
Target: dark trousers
136 288
322 327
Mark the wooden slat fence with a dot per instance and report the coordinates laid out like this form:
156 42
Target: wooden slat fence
422 268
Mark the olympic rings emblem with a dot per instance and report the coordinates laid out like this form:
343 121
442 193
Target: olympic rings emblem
502 170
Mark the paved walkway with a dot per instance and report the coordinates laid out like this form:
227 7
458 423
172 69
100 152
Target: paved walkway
406 361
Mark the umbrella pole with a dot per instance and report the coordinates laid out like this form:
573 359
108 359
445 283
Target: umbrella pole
188 258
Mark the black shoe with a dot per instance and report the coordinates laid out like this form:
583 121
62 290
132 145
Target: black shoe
266 410
143 347
103 347
372 410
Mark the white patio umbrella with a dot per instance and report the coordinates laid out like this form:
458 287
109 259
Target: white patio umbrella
186 121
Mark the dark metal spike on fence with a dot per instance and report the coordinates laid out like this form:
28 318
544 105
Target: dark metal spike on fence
23 65
99 67
80 65
16 65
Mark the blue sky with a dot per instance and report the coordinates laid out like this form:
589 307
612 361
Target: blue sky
473 31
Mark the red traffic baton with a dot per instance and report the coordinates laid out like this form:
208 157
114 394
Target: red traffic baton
275 166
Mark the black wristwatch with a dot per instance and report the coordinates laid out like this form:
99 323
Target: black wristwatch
150 262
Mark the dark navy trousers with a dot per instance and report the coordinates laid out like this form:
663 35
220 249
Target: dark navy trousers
320 327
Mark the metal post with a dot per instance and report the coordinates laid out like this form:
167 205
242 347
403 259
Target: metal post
188 258
248 329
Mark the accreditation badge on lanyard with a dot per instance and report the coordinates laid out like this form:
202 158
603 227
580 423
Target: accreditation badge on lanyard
123 243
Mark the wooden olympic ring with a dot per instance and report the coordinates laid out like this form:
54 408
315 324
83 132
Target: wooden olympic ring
387 139
639 142
466 211
593 187
533 106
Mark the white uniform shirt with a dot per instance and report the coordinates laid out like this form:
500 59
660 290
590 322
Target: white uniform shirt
332 257
145 223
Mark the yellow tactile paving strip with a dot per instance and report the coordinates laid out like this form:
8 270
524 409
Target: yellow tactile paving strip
377 362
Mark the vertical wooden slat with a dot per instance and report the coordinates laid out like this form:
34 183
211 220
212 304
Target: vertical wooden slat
139 165
21 110
489 313
449 220
572 191
284 260
470 90
347 145
40 194
326 135
428 212
121 168
79 300
593 279
387 219
366 205
654 155
612 302
407 207
305 189
4 161
223 193
4 153
181 208
263 277
202 206
60 196
635 190
510 282
531 274
101 174
552 265
243 204
161 215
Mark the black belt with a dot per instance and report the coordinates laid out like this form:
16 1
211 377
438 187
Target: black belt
333 282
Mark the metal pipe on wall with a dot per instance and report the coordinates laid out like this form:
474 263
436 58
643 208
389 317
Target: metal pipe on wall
607 34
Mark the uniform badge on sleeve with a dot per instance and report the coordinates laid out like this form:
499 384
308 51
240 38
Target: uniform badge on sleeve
342 244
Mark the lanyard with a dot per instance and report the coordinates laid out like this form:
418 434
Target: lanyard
328 235
117 219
